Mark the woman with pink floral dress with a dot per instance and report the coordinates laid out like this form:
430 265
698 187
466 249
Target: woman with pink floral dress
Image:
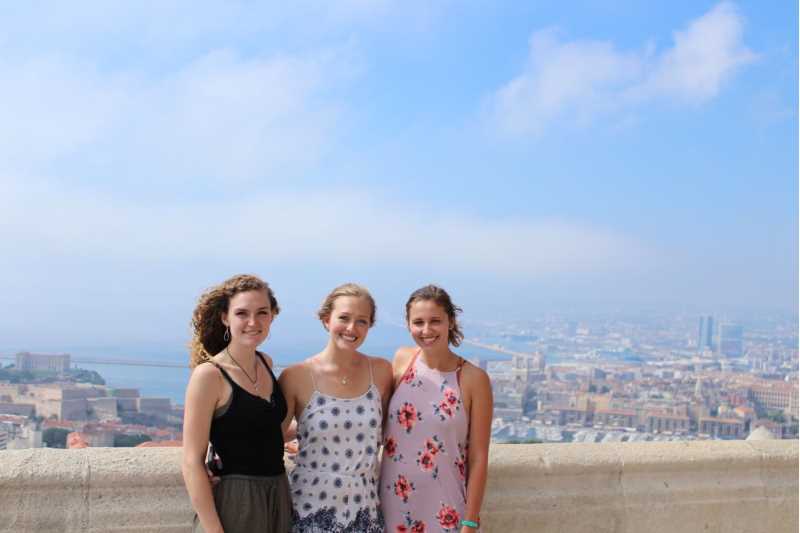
436 436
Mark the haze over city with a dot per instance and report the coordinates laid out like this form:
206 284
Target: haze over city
530 157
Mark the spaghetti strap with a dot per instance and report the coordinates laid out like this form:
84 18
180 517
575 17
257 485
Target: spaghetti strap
371 377
264 362
409 367
224 374
461 362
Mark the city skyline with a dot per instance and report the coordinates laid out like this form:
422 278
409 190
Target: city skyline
528 157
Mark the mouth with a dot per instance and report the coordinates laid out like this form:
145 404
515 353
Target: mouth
348 338
430 339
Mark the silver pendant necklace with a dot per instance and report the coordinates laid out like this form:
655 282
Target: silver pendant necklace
254 382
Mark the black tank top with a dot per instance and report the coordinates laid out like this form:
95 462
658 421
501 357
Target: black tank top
247 437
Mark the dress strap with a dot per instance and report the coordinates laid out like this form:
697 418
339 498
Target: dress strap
264 362
225 374
371 376
461 362
409 367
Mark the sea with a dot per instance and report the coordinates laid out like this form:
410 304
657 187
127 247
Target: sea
170 382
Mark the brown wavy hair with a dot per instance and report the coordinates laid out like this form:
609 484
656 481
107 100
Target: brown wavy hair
207 327
348 289
442 299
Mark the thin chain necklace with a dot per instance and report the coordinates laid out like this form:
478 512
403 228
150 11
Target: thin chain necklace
254 382
344 380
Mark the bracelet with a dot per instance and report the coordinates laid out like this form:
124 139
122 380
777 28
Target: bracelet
470 523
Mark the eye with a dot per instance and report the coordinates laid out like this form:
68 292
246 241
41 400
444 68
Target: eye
362 322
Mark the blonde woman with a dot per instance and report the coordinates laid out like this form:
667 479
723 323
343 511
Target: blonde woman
338 397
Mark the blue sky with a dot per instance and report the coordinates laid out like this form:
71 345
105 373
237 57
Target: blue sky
529 156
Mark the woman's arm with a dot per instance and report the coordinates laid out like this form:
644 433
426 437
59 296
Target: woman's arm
479 389
384 380
202 396
287 381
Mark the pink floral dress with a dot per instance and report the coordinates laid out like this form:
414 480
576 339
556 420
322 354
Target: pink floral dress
424 465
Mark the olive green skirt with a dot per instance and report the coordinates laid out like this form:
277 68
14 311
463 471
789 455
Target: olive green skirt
252 504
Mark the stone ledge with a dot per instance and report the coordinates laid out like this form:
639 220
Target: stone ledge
710 487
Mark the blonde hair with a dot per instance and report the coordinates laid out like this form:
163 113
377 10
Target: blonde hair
208 330
348 289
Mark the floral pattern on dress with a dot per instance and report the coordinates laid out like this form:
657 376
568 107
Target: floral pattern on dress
448 518
411 525
407 416
423 474
403 488
449 403
334 483
426 458
461 463
390 450
410 377
324 521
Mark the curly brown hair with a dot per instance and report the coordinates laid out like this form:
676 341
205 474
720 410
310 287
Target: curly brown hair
442 299
207 327
348 289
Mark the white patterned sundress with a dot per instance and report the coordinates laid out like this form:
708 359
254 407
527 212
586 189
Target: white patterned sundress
334 483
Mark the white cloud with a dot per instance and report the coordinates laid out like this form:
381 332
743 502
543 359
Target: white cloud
580 80
303 227
219 116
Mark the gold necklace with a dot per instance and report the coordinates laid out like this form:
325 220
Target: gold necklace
254 382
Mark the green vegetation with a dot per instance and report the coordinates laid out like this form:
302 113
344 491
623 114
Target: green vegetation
129 441
16 376
55 437
522 441
76 375
776 416
81 375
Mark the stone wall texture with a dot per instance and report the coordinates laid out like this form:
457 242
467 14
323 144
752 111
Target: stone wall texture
709 487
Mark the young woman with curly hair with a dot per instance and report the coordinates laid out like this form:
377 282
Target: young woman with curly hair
436 447
234 402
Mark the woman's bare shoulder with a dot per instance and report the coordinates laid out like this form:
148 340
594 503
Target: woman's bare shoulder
402 357
268 359
474 375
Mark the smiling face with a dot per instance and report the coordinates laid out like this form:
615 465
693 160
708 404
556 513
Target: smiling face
249 317
349 322
429 324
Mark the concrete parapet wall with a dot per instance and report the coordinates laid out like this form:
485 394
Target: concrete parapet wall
705 487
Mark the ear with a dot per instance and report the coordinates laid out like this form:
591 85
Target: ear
224 319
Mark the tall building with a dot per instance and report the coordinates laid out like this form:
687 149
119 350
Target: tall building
705 333
729 342
43 362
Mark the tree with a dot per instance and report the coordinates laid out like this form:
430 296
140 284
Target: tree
55 437
776 416
129 441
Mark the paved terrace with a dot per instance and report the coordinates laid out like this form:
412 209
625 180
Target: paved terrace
676 487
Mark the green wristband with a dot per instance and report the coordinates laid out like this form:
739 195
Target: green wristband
470 523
